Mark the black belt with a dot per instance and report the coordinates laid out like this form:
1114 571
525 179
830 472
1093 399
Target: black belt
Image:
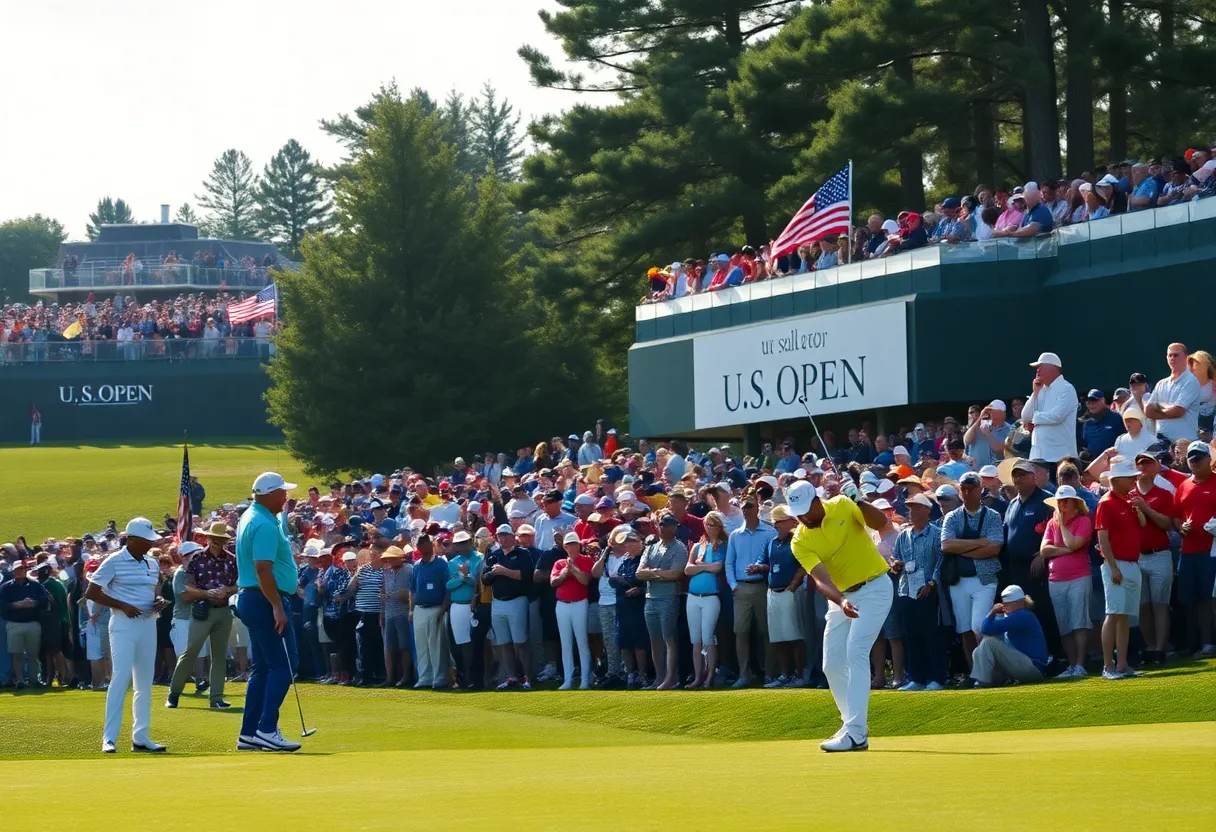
752 581
427 606
856 587
704 594
512 598
580 600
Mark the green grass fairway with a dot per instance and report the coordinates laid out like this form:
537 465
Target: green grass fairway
61 490
1090 754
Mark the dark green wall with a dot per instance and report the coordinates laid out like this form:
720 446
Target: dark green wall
209 399
660 388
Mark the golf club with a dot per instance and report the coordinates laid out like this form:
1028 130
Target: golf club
824 447
304 732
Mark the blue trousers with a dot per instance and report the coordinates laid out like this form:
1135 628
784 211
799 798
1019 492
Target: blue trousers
270 669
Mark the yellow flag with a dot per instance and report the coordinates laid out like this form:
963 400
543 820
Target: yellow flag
73 330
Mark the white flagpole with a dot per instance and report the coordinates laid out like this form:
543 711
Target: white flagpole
849 241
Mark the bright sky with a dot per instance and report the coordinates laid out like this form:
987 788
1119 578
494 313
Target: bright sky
136 98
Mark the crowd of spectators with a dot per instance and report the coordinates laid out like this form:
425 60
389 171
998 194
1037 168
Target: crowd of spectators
168 270
121 328
1054 537
985 214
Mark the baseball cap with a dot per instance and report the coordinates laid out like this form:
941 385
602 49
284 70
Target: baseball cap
969 478
1094 395
1012 593
141 527
988 471
461 536
919 500
881 504
505 528
570 537
350 555
799 497
948 491
584 500
900 450
668 520
996 404
1198 448
1049 358
270 482
189 547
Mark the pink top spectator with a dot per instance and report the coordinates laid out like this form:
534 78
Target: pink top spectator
1076 563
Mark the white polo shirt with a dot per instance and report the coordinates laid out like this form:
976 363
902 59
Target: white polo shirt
1183 391
126 579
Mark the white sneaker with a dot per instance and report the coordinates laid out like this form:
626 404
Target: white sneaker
276 741
935 686
845 743
1107 673
247 742
548 674
1068 672
1078 672
565 685
779 682
107 747
913 686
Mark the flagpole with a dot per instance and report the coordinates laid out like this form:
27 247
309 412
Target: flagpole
849 239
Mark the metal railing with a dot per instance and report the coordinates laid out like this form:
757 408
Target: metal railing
176 349
109 275
944 254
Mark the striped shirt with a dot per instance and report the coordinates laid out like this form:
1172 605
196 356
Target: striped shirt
131 581
369 595
396 580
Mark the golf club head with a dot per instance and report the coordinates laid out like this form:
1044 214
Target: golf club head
309 732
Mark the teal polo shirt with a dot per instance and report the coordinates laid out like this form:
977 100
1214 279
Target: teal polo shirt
259 536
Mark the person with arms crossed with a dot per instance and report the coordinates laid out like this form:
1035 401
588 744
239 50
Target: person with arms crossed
266 577
1174 402
127 581
833 545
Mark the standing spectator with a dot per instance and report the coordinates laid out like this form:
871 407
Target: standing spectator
972 536
22 602
197 495
570 577
1025 521
429 600
463 564
1051 410
1174 402
784 575
208 581
1196 501
35 425
1156 561
589 452
918 555
745 548
1118 528
398 661
1101 426
631 635
704 569
507 570
603 570
661 567
985 435
338 616
367 589
1013 645
1066 549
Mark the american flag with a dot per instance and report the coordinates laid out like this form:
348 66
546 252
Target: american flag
258 306
826 212
184 515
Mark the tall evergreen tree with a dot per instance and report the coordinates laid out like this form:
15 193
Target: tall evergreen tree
495 137
28 243
230 194
109 212
291 198
458 116
186 214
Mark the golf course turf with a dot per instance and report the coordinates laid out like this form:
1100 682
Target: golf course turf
387 759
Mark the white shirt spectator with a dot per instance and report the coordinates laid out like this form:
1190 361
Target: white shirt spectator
448 513
1183 391
125 334
1127 447
261 331
1053 411
589 453
126 579
211 333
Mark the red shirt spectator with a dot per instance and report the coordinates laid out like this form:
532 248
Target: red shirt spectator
572 589
1196 502
1152 538
1175 476
1116 516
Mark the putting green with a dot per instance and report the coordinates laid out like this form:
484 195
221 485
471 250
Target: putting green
390 760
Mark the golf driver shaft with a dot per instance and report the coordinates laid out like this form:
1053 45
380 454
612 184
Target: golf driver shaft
822 446
304 732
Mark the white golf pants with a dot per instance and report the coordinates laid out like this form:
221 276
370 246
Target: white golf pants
133 656
846 652
572 628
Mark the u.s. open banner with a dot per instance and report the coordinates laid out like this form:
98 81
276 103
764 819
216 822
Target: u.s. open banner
853 359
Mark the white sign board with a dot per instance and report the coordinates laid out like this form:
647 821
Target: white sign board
855 359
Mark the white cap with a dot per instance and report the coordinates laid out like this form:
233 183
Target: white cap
1048 358
474 507
1012 593
1030 186
800 473
312 548
890 226
996 404
459 461
348 556
570 537
946 490
799 497
714 451
885 485
584 500
461 536
269 483
900 450
918 500
989 471
188 547
869 476
142 527
1122 467
868 488
768 480
881 505
625 495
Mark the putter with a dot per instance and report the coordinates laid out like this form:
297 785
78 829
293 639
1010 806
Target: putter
304 732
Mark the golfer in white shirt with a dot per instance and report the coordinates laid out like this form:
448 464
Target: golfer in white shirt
1052 410
127 582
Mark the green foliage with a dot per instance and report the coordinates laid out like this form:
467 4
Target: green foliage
495 140
28 243
186 214
230 194
291 198
109 212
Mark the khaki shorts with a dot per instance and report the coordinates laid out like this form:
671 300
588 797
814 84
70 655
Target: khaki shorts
1157 578
1070 600
24 637
1122 598
784 617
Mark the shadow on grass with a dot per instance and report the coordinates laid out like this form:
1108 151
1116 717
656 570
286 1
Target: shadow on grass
942 753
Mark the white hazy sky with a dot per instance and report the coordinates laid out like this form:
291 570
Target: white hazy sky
136 98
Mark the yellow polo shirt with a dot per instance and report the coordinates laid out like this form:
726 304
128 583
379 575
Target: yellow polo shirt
841 544
431 500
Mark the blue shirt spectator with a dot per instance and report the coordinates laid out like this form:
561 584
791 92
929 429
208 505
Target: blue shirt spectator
779 555
429 582
1099 432
735 276
1022 537
706 583
924 548
743 548
1021 631
1040 214
961 524
1149 189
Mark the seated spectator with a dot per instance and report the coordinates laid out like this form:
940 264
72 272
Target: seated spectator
1054 199
1011 217
1145 189
830 258
1175 186
1013 646
950 228
1095 203
1036 219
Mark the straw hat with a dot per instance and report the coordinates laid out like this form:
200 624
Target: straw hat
392 553
218 531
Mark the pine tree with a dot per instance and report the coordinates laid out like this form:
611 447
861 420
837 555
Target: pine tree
230 194
291 198
458 115
109 212
495 138
186 214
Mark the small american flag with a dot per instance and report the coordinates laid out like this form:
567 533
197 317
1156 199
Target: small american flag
184 515
826 212
258 306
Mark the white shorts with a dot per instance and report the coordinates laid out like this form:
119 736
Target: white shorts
971 602
96 642
322 636
239 637
179 633
1070 600
784 617
1122 598
461 618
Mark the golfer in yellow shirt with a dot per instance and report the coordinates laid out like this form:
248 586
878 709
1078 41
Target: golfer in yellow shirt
835 549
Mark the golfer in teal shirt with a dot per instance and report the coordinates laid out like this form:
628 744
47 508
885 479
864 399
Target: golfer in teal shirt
266 575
